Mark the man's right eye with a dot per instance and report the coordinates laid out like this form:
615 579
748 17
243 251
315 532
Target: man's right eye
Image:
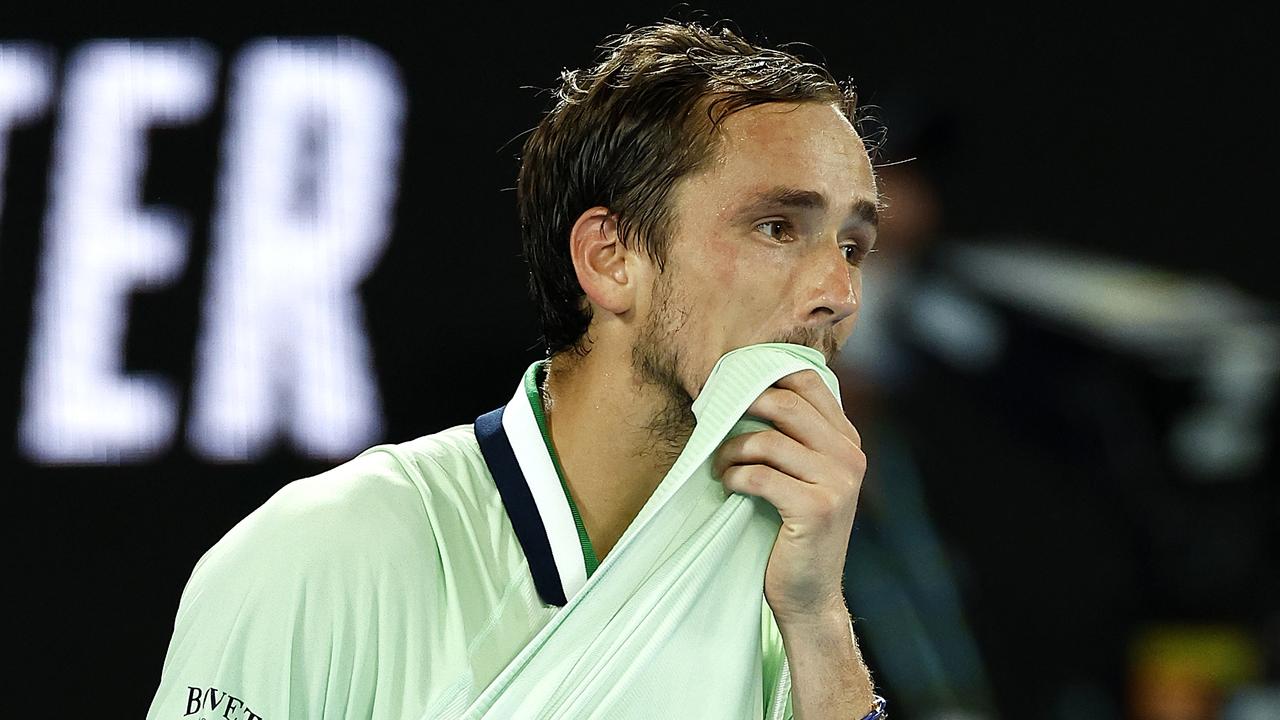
775 229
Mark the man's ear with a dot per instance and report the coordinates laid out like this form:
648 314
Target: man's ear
600 261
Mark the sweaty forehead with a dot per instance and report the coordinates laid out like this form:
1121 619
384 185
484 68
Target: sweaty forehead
777 121
803 145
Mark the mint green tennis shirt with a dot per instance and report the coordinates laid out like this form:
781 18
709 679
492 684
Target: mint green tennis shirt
411 574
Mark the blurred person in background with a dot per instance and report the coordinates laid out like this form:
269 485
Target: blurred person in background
1051 433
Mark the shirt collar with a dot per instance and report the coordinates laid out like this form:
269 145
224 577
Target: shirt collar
522 465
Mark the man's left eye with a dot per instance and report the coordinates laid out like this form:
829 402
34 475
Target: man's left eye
855 253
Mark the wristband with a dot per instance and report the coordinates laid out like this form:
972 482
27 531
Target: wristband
878 711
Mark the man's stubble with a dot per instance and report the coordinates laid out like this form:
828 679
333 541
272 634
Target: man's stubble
656 362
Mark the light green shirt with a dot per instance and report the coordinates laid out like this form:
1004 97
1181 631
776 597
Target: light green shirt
394 586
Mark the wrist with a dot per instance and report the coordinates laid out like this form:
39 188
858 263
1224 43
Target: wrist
821 644
821 619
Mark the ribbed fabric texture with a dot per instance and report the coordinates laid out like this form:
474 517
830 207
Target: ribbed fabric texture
670 623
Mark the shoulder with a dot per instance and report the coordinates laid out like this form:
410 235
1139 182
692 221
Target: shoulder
335 576
388 509
389 481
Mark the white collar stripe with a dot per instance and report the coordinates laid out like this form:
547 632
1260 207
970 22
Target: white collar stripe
539 472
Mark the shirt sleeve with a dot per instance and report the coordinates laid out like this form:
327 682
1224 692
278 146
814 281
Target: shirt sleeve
291 614
777 689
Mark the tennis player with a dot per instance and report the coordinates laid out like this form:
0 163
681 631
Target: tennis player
691 194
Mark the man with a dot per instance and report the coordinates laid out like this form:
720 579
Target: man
690 195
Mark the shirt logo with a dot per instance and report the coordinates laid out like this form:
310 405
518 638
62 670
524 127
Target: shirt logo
210 703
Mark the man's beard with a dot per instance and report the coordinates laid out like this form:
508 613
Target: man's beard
655 361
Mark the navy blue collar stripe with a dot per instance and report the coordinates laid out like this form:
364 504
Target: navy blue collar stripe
519 503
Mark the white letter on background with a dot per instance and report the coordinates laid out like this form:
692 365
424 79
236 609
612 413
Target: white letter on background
304 212
100 245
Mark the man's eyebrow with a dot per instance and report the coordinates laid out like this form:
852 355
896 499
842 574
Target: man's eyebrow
794 198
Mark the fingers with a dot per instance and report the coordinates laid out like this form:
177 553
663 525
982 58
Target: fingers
806 412
810 386
773 449
770 448
791 498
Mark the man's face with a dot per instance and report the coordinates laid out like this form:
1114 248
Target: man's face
766 245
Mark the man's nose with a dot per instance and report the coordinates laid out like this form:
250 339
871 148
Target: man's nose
834 298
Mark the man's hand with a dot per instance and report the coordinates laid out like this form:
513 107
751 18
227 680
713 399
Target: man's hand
810 468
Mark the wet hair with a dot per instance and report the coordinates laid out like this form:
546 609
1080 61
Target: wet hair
622 132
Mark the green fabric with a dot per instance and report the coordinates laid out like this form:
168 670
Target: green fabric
532 376
369 591
394 587
667 626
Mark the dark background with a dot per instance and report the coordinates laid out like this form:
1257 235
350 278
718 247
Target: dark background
1148 138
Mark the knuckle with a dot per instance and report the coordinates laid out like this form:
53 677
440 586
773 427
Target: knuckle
854 436
754 444
858 460
826 508
789 400
768 399
756 476
760 406
731 477
731 448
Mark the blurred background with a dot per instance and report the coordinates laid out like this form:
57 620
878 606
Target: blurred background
238 248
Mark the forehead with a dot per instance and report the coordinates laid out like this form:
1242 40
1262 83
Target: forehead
806 145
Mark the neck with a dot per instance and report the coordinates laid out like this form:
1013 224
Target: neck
616 434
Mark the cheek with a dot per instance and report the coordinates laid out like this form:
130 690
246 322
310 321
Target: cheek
736 285
724 265
708 285
726 275
717 276
752 296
